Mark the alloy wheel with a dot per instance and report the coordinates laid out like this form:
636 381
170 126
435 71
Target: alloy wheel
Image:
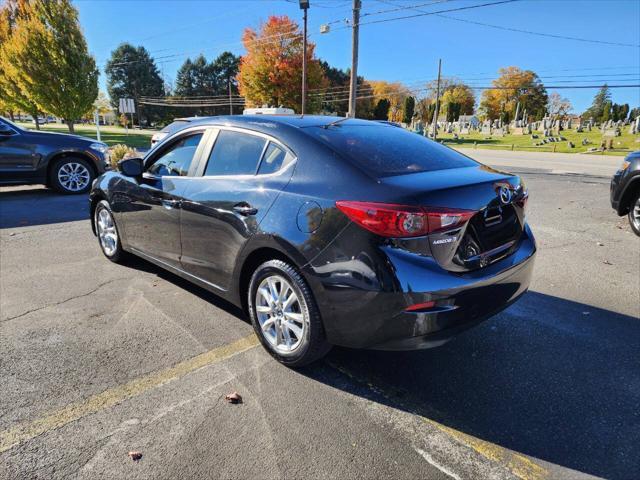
635 216
73 176
107 232
280 314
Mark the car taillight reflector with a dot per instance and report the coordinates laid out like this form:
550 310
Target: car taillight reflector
421 306
391 220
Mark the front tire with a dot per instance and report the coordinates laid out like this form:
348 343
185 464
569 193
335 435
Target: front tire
72 175
285 316
107 233
634 213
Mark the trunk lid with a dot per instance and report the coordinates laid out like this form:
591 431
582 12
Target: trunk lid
491 234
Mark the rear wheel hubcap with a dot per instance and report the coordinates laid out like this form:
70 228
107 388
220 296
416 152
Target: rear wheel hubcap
635 215
280 314
107 232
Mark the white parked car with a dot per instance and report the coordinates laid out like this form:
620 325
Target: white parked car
172 127
268 111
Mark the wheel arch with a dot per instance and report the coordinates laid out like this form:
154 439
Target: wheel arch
94 199
260 251
56 157
629 193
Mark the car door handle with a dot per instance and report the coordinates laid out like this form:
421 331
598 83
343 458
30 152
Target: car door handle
245 209
169 204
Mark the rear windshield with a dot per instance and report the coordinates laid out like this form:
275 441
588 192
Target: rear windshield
384 150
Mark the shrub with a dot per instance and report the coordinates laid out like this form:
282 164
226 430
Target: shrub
121 151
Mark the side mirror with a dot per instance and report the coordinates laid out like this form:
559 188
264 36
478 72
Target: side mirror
131 167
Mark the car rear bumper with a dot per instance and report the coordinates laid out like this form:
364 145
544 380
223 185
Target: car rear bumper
365 318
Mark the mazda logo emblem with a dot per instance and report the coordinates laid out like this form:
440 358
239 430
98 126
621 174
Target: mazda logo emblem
505 195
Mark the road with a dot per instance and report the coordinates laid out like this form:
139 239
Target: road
98 359
569 163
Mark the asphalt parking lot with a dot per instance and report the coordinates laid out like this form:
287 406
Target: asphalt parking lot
98 359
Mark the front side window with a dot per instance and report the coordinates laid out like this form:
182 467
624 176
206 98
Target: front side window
175 161
235 153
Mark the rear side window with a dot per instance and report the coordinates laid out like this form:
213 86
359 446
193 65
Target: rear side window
273 160
384 150
235 153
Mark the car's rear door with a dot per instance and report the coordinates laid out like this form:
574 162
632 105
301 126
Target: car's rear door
223 206
151 213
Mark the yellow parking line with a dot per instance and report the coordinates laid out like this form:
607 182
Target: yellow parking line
521 466
518 464
72 412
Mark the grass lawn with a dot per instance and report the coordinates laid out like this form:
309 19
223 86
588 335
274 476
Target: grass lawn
109 135
621 145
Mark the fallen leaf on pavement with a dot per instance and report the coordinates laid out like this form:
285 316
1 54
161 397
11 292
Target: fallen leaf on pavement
233 397
135 456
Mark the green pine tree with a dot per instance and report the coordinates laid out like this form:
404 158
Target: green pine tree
596 110
132 73
407 109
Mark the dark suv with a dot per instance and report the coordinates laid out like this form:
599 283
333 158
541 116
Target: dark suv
68 163
625 190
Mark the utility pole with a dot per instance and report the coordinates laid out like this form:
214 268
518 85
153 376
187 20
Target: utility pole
437 111
304 5
230 100
354 59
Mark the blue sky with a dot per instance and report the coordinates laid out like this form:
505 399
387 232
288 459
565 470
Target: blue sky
404 50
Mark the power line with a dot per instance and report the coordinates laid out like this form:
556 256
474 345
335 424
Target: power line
190 105
460 77
380 12
190 97
554 87
292 34
511 29
541 34
413 86
425 14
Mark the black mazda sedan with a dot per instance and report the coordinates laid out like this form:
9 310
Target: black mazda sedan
326 230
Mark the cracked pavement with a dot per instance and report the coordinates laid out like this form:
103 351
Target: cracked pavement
98 359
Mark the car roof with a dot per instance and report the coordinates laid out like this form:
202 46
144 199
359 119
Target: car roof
298 121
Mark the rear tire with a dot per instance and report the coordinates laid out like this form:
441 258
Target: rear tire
634 213
285 316
107 233
72 175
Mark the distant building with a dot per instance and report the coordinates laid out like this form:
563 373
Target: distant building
471 119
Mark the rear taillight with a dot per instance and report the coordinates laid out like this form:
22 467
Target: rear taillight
390 220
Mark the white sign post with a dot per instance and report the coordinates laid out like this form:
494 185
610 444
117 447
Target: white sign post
127 105
96 118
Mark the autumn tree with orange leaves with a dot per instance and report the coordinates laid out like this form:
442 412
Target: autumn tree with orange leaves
271 70
515 89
